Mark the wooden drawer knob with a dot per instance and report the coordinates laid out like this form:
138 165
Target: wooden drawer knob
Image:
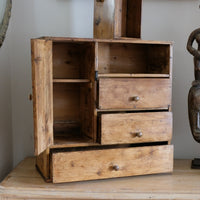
116 167
138 134
136 98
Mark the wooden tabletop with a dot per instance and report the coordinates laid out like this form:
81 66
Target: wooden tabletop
24 182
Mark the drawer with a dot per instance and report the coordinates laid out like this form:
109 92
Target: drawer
135 127
134 93
111 163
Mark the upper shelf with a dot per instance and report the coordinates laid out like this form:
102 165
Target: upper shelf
71 80
115 75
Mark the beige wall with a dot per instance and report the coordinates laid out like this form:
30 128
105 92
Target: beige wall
6 149
162 20
174 20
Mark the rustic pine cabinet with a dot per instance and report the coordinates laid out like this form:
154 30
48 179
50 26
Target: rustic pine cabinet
102 108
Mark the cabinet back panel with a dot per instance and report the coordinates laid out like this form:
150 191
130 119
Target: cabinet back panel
128 18
66 105
133 18
133 58
69 60
159 59
72 113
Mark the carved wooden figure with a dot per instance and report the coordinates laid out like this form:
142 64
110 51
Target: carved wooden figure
194 93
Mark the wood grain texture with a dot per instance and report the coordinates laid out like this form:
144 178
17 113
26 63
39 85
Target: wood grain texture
117 40
133 58
119 93
66 103
42 163
99 164
118 75
87 104
133 18
124 128
104 19
71 80
69 60
42 94
24 182
117 18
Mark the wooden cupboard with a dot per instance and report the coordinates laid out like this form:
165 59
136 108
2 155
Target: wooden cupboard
102 108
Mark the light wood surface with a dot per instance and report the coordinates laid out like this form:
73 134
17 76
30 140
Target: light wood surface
24 182
119 40
110 163
71 80
42 94
104 13
136 127
119 93
116 75
74 90
133 58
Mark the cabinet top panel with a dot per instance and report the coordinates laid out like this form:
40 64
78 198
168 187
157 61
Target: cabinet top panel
120 40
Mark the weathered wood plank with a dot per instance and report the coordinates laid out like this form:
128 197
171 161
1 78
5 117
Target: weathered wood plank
140 93
104 19
42 163
136 127
42 93
111 163
116 75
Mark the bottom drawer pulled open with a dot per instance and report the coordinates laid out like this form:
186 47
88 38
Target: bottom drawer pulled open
90 164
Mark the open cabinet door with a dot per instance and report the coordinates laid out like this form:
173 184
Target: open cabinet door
41 51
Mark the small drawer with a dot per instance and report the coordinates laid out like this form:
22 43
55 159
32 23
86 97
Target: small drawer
111 163
135 127
134 93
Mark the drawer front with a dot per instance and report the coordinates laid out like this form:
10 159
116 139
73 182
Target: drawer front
133 93
111 163
135 127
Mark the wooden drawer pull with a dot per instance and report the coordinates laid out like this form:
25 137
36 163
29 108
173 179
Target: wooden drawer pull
116 167
138 134
136 98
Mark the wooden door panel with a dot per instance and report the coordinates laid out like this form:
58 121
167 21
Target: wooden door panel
42 93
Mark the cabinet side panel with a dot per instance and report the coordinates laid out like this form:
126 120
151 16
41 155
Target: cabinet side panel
42 163
87 104
42 93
